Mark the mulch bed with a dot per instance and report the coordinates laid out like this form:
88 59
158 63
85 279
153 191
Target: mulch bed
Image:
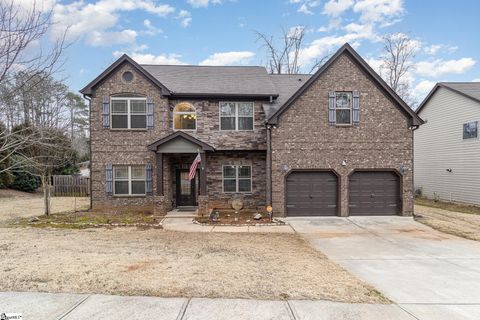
240 218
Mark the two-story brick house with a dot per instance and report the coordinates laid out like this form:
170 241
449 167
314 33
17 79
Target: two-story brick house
338 142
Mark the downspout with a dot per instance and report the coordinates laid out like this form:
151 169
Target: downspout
269 165
413 128
90 145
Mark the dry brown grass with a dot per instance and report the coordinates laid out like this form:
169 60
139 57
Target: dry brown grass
466 225
449 206
172 264
17 204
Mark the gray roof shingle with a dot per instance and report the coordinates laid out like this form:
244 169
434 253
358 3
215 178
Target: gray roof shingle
471 89
214 80
287 85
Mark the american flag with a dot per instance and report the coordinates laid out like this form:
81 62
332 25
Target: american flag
193 167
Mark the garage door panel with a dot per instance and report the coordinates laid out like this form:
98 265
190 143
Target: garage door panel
311 193
374 193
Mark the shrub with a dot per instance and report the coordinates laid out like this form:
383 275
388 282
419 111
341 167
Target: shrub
25 181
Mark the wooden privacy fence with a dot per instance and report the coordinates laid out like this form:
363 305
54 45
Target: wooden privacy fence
71 186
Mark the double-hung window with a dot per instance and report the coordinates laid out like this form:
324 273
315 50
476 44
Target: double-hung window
343 107
237 178
129 180
129 112
236 116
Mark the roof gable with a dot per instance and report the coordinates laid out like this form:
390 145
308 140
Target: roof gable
179 135
88 89
347 49
470 90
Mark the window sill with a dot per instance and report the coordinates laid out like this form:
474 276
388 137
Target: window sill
129 196
344 125
135 130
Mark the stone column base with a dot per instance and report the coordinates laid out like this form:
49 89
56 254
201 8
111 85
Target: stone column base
161 205
202 205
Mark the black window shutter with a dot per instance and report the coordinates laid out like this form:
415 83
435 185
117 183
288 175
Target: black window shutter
109 179
356 108
106 112
148 179
331 108
149 113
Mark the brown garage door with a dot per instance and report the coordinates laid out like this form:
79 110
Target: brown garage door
374 193
311 193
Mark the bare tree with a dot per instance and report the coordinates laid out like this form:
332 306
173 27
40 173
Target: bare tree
397 61
21 30
283 56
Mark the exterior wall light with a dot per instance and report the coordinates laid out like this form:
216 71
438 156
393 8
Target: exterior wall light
344 163
449 170
403 169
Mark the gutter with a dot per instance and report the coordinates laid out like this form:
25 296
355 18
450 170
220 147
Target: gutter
86 97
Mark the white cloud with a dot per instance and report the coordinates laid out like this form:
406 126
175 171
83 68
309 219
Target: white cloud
476 80
228 58
436 48
432 49
423 88
378 10
151 29
306 6
185 18
100 38
337 7
145 58
88 20
203 3
441 67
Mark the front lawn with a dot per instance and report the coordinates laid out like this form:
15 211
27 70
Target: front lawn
453 221
114 217
156 262
450 206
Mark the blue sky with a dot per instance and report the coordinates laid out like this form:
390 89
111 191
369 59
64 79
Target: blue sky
221 32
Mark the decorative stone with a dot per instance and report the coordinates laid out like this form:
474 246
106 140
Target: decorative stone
237 204
258 216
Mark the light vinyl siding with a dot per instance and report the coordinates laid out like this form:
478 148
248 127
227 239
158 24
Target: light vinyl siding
439 145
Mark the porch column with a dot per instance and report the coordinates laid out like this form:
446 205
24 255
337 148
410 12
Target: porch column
203 174
159 160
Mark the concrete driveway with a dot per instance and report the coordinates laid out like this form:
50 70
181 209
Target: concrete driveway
429 274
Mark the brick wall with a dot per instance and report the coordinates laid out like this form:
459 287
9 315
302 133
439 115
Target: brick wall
303 138
126 147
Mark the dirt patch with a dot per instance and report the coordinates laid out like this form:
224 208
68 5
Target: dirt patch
17 204
461 224
173 264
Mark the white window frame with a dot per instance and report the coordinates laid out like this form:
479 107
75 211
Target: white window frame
237 179
182 113
129 179
350 109
236 115
129 112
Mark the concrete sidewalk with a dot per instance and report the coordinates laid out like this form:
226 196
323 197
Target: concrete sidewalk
182 221
48 306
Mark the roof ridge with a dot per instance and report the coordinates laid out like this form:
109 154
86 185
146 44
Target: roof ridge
196 65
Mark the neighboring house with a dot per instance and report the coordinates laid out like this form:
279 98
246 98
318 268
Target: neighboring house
84 168
447 146
338 142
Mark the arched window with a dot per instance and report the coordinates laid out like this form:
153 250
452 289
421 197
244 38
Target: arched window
184 117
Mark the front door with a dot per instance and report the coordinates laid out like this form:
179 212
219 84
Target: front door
186 189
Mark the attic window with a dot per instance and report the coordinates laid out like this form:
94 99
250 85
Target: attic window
127 76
